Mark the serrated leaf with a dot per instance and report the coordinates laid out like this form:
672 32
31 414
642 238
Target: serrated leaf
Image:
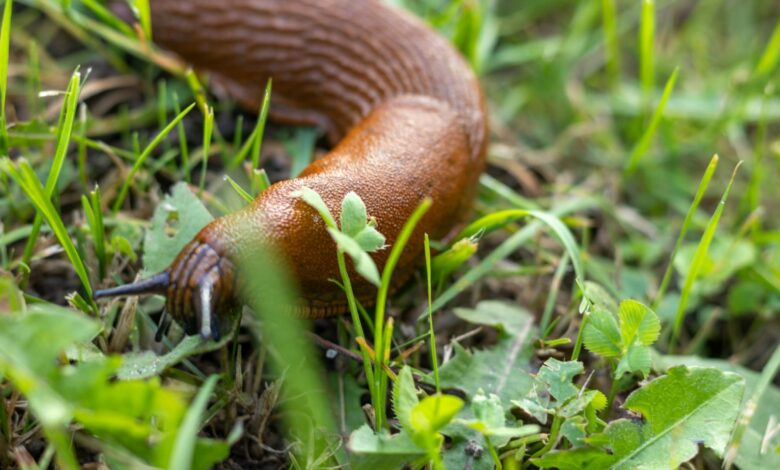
160 245
602 335
558 377
682 410
501 369
750 453
404 397
362 262
353 214
638 323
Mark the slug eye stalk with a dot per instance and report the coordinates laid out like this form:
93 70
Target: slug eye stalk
198 288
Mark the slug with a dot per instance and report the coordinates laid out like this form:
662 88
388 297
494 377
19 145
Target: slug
402 109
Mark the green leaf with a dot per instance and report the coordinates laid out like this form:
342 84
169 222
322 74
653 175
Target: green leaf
602 335
404 397
312 198
638 323
434 412
182 456
353 214
504 316
369 239
490 420
362 262
750 453
146 364
600 298
182 210
682 410
558 376
444 264
501 369
371 451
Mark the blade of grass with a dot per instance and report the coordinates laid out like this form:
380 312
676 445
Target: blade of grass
771 55
380 378
253 141
183 148
184 446
769 372
432 334
144 15
611 45
640 149
64 131
508 247
699 258
144 155
5 43
646 50
26 178
238 189
705 182
208 126
94 214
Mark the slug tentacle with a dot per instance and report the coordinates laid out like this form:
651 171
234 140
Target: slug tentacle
198 282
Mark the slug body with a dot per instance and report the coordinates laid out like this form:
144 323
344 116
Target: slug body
402 108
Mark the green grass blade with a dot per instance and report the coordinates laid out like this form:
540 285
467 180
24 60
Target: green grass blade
646 50
238 189
64 132
144 17
769 372
187 436
208 127
26 178
183 147
705 182
699 258
769 59
381 303
640 149
5 43
506 248
432 334
256 137
144 155
611 44
94 215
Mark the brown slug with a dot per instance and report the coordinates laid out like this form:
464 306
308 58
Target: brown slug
402 108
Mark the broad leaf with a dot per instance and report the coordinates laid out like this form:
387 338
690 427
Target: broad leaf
602 334
682 410
371 451
176 221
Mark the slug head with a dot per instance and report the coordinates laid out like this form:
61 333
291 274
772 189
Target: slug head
199 289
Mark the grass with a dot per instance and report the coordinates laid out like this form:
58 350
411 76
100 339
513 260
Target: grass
601 193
